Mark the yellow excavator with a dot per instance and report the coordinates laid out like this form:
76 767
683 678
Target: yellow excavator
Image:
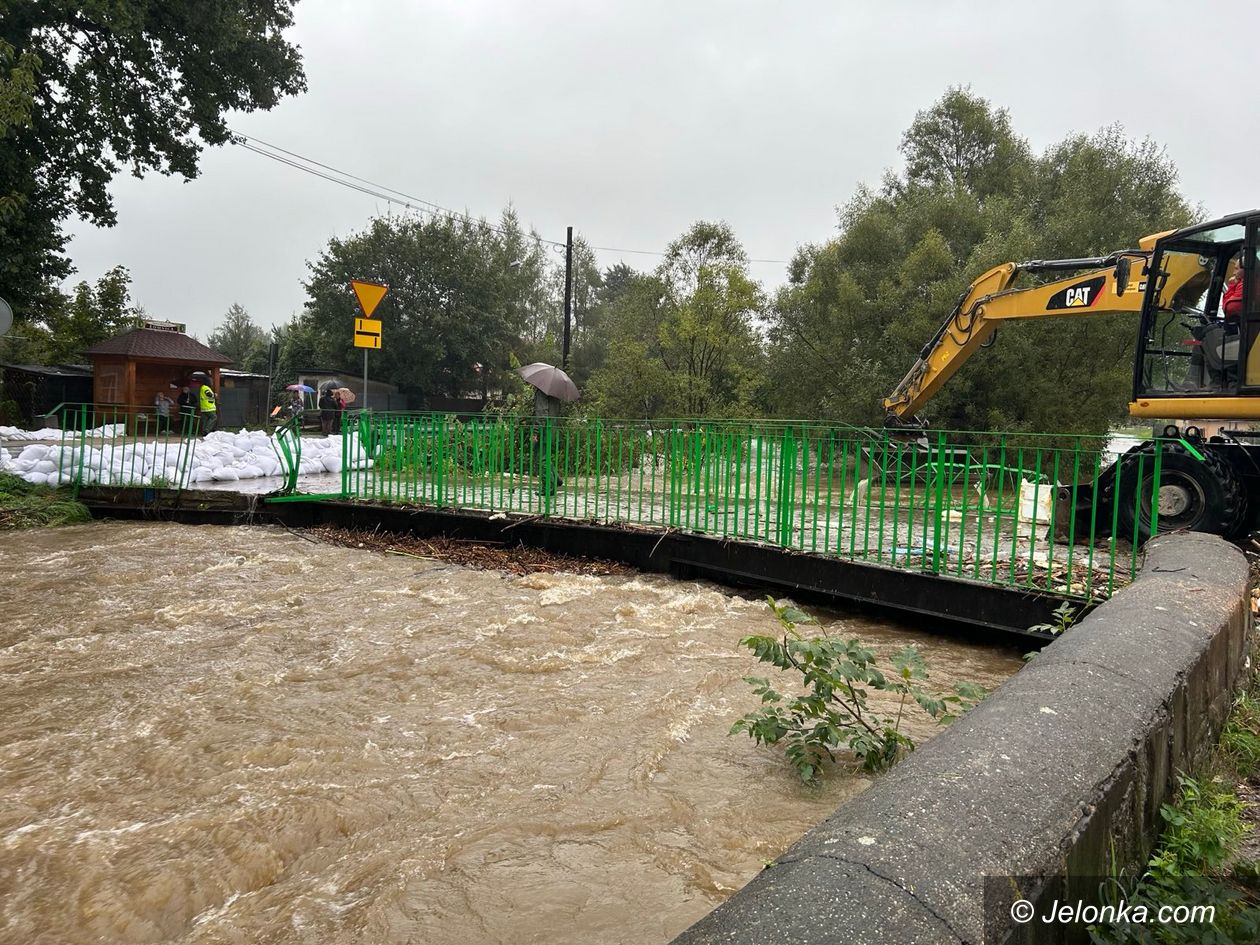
1191 364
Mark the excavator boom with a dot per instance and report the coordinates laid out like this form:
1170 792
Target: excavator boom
992 299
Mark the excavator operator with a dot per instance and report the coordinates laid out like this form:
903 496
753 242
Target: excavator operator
1231 301
1213 364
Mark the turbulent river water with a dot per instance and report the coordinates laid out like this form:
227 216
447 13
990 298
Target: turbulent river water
236 735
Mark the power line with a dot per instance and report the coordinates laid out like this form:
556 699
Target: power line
379 191
329 167
419 204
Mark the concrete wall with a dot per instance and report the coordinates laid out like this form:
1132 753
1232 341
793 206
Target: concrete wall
1065 764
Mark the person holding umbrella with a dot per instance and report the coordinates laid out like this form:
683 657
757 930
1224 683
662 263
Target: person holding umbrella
327 410
345 397
552 387
296 405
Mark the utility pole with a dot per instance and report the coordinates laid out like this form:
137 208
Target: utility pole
273 355
568 296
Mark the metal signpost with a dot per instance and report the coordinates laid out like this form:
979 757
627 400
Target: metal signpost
367 330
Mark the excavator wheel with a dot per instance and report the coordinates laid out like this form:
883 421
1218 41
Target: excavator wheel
1200 495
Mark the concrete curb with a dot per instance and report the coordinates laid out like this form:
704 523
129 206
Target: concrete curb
1058 773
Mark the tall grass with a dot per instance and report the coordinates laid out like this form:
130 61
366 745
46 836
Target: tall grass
25 505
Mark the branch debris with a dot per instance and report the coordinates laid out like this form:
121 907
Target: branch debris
517 559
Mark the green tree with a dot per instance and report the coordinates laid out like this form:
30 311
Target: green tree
707 337
31 241
455 300
240 339
857 311
964 142
88 89
633 380
683 341
90 314
298 349
17 95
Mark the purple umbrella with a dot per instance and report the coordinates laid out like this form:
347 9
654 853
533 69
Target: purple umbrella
550 380
302 387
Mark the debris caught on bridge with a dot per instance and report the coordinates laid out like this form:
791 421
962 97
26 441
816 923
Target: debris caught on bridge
515 559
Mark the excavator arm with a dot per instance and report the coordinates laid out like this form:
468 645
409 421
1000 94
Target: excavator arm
991 300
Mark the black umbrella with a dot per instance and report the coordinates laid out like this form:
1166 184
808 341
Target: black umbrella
550 380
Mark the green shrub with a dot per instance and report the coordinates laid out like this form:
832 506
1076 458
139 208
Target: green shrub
1203 829
834 713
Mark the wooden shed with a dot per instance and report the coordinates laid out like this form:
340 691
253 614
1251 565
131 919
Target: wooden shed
129 369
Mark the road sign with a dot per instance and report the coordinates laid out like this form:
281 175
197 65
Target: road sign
369 295
367 333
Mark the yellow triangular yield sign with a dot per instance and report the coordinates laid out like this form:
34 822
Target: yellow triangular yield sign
369 295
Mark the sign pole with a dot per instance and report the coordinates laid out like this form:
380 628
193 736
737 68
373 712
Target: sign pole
365 351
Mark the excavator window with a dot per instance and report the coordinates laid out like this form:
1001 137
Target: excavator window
1251 304
1188 347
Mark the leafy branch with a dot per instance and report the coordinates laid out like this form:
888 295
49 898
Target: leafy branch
834 713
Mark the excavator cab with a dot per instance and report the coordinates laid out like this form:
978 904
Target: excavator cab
1193 363
1188 349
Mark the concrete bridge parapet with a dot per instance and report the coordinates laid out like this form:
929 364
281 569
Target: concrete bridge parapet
1060 773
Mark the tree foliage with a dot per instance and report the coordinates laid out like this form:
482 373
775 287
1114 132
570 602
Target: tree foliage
858 310
88 89
963 143
683 342
456 300
75 322
239 338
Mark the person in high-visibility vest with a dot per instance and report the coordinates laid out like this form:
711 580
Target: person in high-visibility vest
207 404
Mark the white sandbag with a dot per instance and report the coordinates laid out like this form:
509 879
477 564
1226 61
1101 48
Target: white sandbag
38 478
332 462
202 474
225 474
45 466
1036 507
34 453
250 472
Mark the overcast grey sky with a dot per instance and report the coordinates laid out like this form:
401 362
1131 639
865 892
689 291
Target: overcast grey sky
631 120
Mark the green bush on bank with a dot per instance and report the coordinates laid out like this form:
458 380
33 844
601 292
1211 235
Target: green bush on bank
26 505
1197 860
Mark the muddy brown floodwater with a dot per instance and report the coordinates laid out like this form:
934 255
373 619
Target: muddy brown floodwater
235 735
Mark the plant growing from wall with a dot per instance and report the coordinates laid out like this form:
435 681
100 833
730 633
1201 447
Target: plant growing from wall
834 714
1063 617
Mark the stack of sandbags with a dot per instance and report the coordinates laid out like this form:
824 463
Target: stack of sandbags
49 433
219 457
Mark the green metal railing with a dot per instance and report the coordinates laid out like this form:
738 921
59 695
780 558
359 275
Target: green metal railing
1025 510
118 445
1045 513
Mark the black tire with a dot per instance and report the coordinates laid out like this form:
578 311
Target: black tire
1196 495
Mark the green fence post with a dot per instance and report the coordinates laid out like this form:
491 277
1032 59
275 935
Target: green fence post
345 453
548 482
786 493
939 502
